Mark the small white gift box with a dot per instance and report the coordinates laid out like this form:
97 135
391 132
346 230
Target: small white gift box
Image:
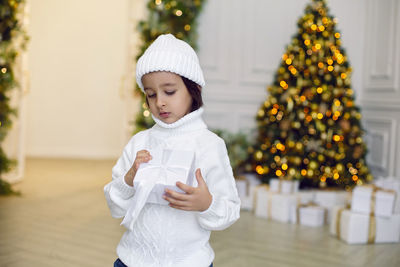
302 197
164 170
246 186
330 199
283 186
366 198
243 187
306 196
312 216
262 201
282 207
391 183
357 228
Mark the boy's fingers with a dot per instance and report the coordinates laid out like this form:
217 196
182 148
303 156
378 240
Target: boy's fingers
199 178
185 187
176 195
175 202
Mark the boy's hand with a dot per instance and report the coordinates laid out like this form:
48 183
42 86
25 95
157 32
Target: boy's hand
141 156
196 198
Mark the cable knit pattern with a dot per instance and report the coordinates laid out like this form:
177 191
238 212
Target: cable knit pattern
164 236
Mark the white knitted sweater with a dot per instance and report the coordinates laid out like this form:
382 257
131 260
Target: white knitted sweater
164 236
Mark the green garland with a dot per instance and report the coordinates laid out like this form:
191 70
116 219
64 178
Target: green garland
166 16
11 30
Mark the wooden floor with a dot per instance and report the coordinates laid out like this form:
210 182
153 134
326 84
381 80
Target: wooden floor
62 219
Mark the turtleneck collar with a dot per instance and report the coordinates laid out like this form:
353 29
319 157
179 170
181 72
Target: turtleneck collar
190 122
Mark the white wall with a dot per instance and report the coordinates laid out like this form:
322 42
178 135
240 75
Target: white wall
78 54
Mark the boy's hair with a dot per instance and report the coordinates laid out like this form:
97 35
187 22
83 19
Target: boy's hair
195 92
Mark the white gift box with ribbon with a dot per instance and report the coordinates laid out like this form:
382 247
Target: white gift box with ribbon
366 198
262 201
164 170
312 216
357 228
277 185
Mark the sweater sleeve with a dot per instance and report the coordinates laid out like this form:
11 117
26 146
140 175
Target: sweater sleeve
117 192
217 172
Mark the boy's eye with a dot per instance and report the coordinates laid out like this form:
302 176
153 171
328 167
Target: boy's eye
151 95
170 92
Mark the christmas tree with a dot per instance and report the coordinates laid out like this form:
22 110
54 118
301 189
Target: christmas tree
165 16
12 40
309 127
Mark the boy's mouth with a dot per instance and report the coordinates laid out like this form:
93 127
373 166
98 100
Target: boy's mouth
164 114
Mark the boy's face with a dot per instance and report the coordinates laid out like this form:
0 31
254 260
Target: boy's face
168 98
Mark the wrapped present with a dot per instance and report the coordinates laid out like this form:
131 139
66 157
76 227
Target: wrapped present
329 199
164 170
283 186
372 199
391 183
306 196
357 228
311 215
246 185
262 205
282 207
243 186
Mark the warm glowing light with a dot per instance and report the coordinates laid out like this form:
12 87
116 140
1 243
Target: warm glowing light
354 177
303 172
284 167
178 13
146 113
318 46
343 75
288 61
330 68
307 42
336 138
302 98
158 2
321 28
278 173
187 27
319 90
284 56
337 35
337 103
320 116
336 176
274 111
3 70
313 27
323 179
320 65
259 169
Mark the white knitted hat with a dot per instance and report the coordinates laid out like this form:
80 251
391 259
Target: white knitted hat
167 53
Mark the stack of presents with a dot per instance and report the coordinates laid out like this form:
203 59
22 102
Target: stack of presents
368 214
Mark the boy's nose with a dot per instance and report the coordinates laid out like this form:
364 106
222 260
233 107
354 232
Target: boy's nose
160 102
